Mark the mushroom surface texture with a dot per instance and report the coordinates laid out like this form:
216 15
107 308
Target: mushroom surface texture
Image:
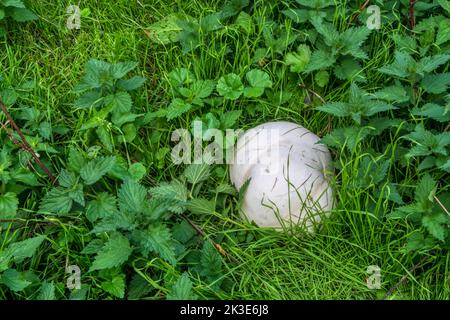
289 173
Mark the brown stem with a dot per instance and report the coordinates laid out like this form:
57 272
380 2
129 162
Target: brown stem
412 19
363 6
404 278
26 146
203 234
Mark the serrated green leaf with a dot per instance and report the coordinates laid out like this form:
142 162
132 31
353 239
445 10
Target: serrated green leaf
95 169
25 249
89 99
113 254
176 108
320 60
196 173
230 86
14 280
103 205
201 206
436 83
119 70
120 101
23 15
8 205
116 286
131 84
132 196
56 201
182 289
396 93
436 225
47 291
158 239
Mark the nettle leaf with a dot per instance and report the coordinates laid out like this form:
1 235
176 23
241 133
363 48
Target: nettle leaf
14 280
351 41
196 173
132 196
182 289
89 99
297 61
95 169
180 77
400 66
338 109
425 191
21 250
430 63
120 69
436 225
158 239
395 93
230 86
22 15
115 286
183 231
229 119
443 34
173 195
202 88
210 262
259 81
120 101
114 253
201 206
13 3
417 241
427 142
56 201
436 83
349 137
432 111
176 108
47 291
320 59
131 84
349 69
103 205
8 205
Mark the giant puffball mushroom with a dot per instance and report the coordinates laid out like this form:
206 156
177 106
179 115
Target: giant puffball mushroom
288 172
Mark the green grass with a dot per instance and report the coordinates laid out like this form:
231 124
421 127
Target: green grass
262 264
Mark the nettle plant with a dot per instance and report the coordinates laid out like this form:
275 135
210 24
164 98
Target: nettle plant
15 10
413 108
105 94
307 10
134 224
191 94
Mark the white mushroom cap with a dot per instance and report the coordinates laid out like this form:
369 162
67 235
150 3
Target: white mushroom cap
288 171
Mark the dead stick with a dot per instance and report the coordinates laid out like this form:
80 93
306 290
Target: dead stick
404 278
412 19
203 234
356 15
26 145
